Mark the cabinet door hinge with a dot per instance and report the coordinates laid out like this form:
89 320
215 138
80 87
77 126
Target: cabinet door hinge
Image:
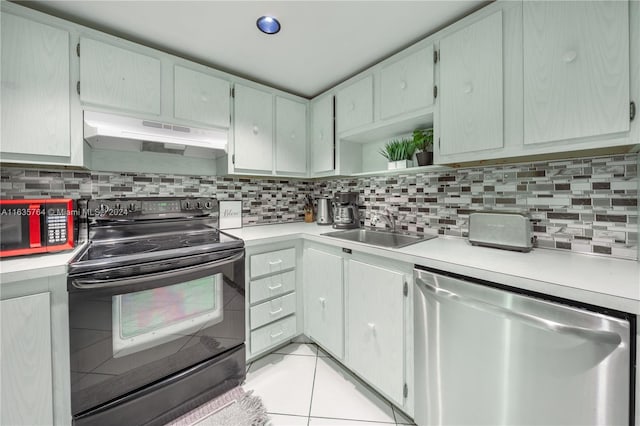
78 87
233 159
405 289
78 49
435 56
233 92
632 110
435 92
405 390
438 143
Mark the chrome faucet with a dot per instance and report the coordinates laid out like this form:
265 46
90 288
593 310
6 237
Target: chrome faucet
387 215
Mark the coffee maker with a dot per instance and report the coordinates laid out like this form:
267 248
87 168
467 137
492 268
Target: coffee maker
345 210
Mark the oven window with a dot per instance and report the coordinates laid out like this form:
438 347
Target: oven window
149 318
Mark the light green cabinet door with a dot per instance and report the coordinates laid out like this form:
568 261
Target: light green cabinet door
324 300
253 129
322 146
354 105
375 326
291 136
200 97
407 84
35 88
114 77
471 88
26 396
576 69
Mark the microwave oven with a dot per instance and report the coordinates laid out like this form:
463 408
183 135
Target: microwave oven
36 226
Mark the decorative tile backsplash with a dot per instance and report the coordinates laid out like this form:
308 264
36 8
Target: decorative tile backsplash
263 200
585 205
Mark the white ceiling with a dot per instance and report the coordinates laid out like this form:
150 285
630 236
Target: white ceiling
321 43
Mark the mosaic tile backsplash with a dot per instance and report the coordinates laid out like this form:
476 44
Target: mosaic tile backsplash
585 205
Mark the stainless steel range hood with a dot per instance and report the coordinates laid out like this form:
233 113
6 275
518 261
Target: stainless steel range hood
121 133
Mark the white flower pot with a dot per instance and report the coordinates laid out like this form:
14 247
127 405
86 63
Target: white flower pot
393 165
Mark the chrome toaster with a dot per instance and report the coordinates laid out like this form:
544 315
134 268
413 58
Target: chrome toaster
506 230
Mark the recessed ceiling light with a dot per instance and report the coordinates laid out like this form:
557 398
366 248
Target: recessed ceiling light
268 24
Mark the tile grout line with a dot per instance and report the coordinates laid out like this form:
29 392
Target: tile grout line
313 385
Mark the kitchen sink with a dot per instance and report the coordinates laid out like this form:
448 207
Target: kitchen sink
390 239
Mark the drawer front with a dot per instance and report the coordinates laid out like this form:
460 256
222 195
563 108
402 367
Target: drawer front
273 334
273 310
268 287
272 262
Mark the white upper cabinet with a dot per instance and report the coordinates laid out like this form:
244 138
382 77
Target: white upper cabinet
324 300
322 144
576 69
201 98
118 78
291 136
253 129
354 104
35 88
407 84
375 327
471 82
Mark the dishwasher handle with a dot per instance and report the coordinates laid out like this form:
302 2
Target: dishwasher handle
601 336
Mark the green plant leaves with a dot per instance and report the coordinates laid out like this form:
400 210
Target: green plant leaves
398 150
423 139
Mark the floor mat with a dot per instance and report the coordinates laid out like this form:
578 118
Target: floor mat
234 408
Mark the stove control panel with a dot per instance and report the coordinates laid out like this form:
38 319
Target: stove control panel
153 206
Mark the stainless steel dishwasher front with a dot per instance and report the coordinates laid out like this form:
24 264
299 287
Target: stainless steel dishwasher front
488 356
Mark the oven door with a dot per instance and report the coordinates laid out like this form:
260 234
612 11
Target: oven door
127 332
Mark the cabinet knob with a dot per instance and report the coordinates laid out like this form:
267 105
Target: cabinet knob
467 88
255 130
293 135
372 327
403 85
203 98
323 301
352 106
569 56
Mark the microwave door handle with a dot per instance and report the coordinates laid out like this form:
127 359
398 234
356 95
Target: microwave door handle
601 336
35 235
92 284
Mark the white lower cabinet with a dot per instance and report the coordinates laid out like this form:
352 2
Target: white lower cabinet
375 327
27 397
324 300
35 386
271 299
359 309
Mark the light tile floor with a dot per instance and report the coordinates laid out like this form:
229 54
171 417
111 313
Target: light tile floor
300 385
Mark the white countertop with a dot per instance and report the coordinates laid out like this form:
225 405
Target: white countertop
598 280
31 267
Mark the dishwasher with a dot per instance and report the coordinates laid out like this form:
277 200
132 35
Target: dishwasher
487 354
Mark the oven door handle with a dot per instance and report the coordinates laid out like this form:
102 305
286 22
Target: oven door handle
92 284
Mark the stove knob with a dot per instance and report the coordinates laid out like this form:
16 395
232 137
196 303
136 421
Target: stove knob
187 205
117 206
132 207
103 209
208 205
198 205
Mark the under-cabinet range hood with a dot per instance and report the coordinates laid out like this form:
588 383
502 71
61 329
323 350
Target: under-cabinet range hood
121 133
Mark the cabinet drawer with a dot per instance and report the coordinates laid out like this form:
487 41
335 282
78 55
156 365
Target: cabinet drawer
272 262
273 334
272 310
272 286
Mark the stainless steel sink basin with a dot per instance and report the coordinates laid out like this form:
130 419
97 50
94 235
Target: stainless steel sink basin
379 238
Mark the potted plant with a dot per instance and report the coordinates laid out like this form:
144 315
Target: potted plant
423 141
399 153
